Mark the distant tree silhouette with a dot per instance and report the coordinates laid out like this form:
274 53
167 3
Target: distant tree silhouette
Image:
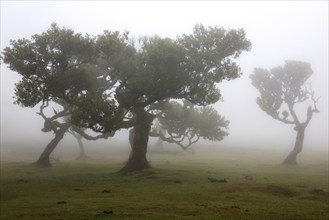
78 137
184 124
281 89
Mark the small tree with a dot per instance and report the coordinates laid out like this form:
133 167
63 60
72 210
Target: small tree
185 124
281 90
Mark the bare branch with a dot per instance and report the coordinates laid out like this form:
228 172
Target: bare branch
89 137
173 139
293 114
44 105
284 119
55 112
315 109
65 112
311 110
50 122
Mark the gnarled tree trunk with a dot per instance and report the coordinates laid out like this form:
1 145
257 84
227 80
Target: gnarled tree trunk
43 160
291 159
137 160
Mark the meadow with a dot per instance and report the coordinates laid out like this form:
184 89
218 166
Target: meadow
205 185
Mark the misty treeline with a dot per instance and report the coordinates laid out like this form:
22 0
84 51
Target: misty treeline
154 86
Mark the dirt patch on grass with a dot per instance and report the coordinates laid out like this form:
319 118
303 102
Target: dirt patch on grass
320 198
148 174
318 195
228 212
319 192
276 190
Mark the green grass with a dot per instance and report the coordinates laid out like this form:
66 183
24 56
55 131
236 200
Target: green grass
177 188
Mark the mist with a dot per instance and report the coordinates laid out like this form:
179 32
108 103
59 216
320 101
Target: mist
279 31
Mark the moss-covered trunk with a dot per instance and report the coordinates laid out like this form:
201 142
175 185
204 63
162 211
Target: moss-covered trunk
291 158
137 160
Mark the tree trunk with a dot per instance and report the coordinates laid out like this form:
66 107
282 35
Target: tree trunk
83 154
161 131
159 144
137 160
43 160
291 159
131 137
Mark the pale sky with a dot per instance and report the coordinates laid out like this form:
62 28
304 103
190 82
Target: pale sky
278 30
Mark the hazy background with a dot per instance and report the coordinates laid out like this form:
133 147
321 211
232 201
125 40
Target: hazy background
278 30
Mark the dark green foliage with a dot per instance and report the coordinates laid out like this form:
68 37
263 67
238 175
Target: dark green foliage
27 93
97 114
115 56
157 74
186 68
210 53
54 64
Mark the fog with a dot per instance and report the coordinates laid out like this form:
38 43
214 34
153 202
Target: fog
278 30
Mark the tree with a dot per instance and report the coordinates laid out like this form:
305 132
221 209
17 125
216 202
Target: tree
187 68
160 131
59 123
158 69
281 90
184 124
52 124
78 137
56 67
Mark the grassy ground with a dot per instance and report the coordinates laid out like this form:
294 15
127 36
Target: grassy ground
177 188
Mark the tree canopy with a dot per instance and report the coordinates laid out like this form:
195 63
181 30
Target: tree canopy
54 64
